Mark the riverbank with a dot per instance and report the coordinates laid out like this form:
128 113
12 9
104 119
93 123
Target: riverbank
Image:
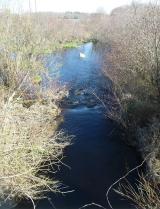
29 117
132 65
29 145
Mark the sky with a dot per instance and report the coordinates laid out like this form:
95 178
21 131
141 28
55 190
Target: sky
65 5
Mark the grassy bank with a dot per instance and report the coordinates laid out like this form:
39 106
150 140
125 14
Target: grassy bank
70 45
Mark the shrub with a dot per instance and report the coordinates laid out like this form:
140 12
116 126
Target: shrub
29 146
132 64
29 143
149 143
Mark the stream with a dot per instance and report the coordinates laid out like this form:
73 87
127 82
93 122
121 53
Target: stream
98 156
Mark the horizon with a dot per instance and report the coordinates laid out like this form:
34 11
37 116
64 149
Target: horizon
62 6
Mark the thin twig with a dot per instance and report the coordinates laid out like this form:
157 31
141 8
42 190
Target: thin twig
92 204
34 206
123 177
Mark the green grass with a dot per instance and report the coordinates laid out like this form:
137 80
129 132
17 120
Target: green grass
72 44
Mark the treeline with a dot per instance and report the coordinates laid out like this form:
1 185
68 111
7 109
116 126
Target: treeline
131 35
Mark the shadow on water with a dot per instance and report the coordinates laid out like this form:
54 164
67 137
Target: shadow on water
97 156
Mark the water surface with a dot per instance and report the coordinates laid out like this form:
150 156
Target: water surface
97 156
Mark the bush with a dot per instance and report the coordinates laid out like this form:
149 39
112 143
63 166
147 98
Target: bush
149 143
132 64
29 145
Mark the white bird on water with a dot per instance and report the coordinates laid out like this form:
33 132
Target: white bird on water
82 55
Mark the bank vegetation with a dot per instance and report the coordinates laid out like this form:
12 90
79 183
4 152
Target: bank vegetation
30 145
131 35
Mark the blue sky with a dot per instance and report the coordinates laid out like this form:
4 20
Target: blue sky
65 5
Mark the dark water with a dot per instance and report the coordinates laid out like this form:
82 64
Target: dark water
98 156
82 76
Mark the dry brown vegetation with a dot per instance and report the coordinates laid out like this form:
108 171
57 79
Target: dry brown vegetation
28 142
145 195
30 146
132 36
28 115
